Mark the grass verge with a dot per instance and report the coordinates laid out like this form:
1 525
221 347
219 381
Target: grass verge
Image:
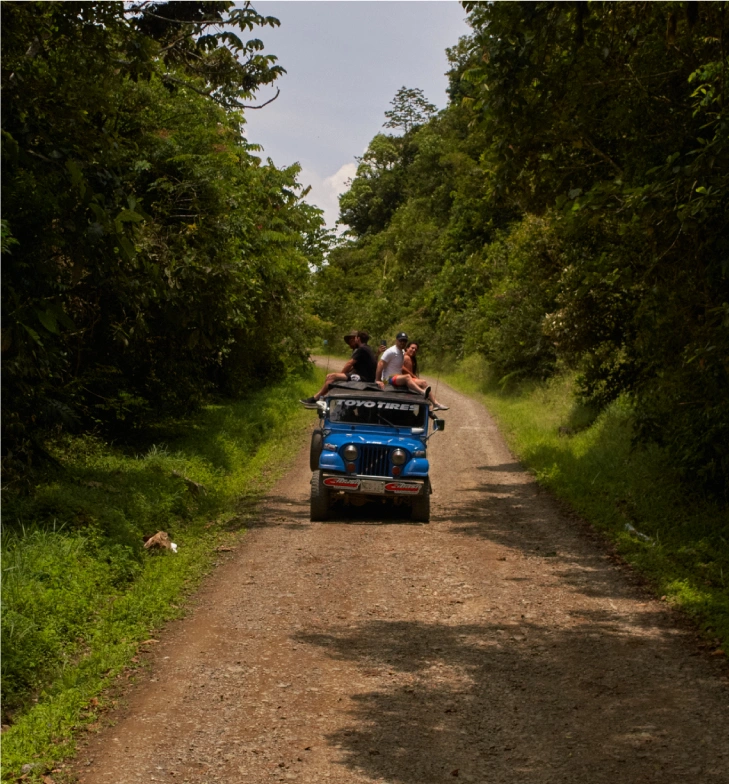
679 542
80 592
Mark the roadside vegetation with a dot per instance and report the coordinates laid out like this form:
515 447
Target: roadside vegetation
564 223
153 265
679 541
568 208
559 233
150 256
80 592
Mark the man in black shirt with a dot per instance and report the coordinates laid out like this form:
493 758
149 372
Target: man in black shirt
365 359
360 367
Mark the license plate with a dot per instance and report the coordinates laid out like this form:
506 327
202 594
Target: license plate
372 486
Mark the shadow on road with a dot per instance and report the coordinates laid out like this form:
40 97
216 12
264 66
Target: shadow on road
520 516
282 511
489 703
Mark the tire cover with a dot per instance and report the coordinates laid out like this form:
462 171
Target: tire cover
317 444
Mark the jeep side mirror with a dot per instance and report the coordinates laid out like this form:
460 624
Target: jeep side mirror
439 424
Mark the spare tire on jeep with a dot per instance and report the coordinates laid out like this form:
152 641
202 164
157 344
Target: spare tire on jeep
317 444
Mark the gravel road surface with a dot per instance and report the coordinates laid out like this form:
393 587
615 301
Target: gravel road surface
499 643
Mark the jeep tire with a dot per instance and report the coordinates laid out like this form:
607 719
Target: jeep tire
420 511
317 444
319 508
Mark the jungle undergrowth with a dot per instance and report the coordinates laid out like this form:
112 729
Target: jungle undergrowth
80 592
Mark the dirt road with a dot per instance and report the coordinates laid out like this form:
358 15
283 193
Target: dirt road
499 643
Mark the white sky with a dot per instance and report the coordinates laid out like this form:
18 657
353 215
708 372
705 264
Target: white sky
345 61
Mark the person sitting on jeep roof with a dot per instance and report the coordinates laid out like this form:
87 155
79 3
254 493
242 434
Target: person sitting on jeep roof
390 371
366 360
410 360
360 367
410 366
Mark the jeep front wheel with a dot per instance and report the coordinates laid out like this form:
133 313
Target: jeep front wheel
420 512
319 506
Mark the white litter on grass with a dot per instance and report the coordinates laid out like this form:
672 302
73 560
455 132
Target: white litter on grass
173 547
630 529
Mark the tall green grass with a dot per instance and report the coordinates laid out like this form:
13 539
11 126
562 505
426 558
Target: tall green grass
678 540
79 590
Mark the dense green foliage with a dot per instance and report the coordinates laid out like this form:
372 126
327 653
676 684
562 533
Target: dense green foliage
569 207
149 256
79 590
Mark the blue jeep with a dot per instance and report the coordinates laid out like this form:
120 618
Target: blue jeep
371 446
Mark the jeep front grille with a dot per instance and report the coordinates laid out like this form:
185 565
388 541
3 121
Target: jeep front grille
374 460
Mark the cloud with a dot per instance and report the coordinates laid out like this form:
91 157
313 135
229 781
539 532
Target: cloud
339 181
325 192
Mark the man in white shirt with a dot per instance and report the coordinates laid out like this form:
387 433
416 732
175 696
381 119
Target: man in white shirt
390 371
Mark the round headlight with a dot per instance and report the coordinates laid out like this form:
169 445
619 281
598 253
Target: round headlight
399 456
350 452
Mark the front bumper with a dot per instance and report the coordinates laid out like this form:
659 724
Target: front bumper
376 486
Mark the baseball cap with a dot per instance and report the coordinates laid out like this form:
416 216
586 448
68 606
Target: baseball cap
350 335
401 336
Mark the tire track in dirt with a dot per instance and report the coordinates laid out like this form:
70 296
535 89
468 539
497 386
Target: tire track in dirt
500 643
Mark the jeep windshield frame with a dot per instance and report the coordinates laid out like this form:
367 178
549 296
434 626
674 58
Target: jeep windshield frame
379 411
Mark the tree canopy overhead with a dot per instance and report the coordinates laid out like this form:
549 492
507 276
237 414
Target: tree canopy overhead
149 256
569 208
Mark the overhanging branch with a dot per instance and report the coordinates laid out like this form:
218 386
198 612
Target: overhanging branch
219 100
